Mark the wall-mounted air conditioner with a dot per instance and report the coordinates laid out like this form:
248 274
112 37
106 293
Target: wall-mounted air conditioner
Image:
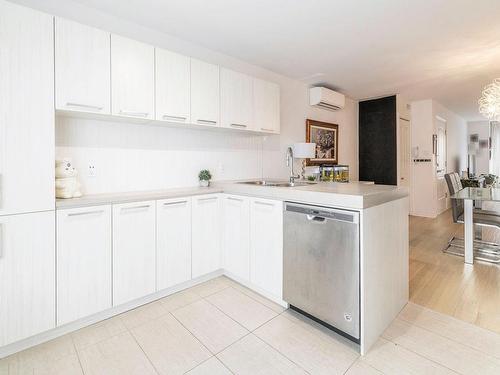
326 98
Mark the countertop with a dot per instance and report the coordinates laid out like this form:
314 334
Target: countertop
352 195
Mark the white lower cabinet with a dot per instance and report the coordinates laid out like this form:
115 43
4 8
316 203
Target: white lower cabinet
206 233
134 251
266 245
173 242
83 262
236 235
27 275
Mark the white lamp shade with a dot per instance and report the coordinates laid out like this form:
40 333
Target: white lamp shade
304 150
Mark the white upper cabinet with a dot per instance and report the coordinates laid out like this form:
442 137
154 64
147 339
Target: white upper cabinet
26 110
236 100
27 275
266 104
132 78
173 242
206 232
83 262
205 94
134 251
173 85
236 236
266 250
82 66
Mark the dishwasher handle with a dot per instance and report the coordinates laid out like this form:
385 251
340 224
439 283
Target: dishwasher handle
316 219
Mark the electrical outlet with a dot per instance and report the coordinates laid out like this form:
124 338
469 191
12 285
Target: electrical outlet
91 171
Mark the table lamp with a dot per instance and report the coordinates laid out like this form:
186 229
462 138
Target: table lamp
304 151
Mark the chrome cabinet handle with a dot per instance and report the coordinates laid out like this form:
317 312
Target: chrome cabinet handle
210 122
84 106
174 118
86 213
1 240
234 199
174 203
316 219
136 207
264 203
132 113
206 199
238 125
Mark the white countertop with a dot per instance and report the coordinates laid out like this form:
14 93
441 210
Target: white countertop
353 195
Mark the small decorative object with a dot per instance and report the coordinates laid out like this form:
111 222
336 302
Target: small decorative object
325 136
67 185
311 178
204 176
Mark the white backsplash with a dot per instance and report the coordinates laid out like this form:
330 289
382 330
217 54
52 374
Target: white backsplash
132 157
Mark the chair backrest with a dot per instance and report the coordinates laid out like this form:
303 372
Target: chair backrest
454 186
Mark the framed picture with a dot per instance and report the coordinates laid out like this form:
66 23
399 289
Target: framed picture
326 137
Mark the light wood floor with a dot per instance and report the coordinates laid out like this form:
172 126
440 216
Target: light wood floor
442 282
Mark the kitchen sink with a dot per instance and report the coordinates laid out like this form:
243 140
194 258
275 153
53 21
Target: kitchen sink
277 183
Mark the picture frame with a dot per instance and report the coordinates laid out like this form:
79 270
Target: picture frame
326 137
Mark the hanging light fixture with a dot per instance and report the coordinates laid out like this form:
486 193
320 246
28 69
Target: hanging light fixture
489 103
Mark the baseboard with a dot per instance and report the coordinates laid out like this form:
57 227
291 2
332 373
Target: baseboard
103 315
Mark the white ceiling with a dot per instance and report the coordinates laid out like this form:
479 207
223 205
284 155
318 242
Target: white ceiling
442 49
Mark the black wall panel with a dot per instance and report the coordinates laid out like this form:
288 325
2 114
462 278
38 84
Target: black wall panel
378 141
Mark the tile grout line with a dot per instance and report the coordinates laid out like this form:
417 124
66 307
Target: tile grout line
77 354
423 356
445 337
145 354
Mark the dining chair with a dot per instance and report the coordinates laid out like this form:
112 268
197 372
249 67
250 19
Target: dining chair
483 250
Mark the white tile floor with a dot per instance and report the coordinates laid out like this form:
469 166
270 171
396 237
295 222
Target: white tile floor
220 327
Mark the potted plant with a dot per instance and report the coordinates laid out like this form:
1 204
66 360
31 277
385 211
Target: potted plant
204 176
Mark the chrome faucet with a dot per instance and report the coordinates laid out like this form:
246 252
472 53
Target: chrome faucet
289 163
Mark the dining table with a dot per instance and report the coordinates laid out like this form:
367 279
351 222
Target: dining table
470 195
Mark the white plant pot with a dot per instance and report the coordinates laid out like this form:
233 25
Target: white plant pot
204 183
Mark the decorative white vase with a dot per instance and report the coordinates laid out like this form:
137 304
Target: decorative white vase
204 183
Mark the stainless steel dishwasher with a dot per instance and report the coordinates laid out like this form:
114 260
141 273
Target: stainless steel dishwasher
321 265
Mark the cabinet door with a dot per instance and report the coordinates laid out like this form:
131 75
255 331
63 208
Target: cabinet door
205 95
82 67
236 235
132 78
173 86
173 241
266 249
26 110
83 262
206 254
134 251
266 104
27 275
236 100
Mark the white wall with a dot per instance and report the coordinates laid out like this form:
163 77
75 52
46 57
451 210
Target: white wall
426 188
138 157
482 129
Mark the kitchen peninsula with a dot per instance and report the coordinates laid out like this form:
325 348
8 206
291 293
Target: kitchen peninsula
148 245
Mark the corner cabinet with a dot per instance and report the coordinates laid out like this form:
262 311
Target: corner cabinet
206 233
132 78
236 235
266 106
134 251
83 262
27 275
205 95
173 242
82 66
236 97
266 245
